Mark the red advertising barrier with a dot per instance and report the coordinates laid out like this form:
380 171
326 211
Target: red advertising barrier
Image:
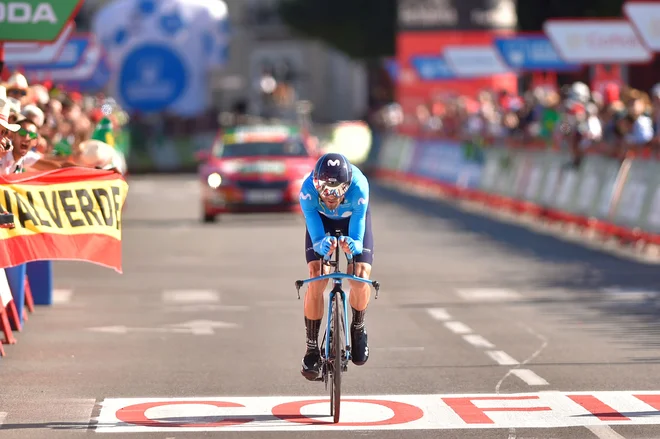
412 91
497 202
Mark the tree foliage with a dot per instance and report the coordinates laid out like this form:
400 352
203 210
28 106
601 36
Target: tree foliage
362 29
367 28
532 14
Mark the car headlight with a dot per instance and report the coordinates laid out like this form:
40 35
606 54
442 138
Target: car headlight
214 180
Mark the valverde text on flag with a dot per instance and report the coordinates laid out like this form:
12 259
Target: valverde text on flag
76 210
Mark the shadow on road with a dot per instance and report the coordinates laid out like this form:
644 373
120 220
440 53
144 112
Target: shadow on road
631 315
246 220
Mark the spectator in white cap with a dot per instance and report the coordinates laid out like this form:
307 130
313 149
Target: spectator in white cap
13 109
35 114
6 128
23 157
17 88
41 96
7 132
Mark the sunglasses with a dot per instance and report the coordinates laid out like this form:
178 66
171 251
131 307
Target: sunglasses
16 92
23 132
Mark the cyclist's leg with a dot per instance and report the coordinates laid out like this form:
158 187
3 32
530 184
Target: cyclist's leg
360 295
313 310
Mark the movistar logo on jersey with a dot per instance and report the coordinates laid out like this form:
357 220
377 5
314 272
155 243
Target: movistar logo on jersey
362 201
305 196
334 163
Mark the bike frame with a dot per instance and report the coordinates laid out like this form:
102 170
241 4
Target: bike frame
334 367
337 288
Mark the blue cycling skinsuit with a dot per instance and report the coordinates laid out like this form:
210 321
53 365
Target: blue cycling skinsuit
352 217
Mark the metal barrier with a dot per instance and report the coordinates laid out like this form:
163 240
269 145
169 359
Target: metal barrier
616 198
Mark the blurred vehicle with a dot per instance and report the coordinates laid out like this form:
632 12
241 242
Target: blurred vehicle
257 168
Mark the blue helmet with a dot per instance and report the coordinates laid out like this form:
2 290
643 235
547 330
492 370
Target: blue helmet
332 175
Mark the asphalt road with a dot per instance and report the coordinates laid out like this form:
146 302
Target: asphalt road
202 336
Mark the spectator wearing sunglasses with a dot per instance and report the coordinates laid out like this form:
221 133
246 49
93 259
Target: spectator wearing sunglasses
17 88
24 140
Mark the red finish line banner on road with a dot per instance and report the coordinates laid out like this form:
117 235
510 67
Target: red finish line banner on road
389 412
66 214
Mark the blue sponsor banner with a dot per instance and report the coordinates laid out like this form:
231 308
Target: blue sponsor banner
446 162
71 56
96 83
531 52
432 68
152 77
392 68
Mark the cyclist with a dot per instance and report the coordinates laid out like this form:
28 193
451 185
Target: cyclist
335 196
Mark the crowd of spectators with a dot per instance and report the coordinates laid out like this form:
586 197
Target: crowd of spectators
43 127
615 121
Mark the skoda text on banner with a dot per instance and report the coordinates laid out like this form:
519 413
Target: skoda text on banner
596 41
36 20
66 214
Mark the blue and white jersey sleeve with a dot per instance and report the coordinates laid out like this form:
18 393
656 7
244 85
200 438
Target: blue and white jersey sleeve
358 196
309 203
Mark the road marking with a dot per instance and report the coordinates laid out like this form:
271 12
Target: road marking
439 313
204 307
191 185
458 327
191 296
478 341
632 295
3 416
529 377
543 410
196 327
502 358
544 344
488 295
143 187
604 432
400 348
61 296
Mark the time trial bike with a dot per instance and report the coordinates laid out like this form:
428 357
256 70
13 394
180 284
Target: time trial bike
336 351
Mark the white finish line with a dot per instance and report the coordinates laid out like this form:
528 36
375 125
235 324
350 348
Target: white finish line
383 412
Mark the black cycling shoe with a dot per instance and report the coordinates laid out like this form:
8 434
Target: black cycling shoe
359 345
311 364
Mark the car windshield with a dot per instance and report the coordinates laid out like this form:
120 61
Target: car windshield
288 148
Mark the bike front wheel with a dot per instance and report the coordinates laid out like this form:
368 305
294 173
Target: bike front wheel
335 398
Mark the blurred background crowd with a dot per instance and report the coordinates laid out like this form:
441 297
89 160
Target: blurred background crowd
616 122
50 128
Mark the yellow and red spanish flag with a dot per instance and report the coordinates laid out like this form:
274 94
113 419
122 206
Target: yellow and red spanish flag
66 214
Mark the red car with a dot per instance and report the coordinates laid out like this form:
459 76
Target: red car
254 169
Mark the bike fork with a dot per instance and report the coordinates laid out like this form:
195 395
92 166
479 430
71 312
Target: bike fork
346 328
328 325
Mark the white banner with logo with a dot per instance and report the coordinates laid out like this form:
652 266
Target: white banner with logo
645 17
596 41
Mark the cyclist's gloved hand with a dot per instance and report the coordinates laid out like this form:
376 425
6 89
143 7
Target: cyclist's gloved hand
324 246
354 247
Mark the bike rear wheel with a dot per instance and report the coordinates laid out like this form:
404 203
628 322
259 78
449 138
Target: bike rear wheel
338 336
